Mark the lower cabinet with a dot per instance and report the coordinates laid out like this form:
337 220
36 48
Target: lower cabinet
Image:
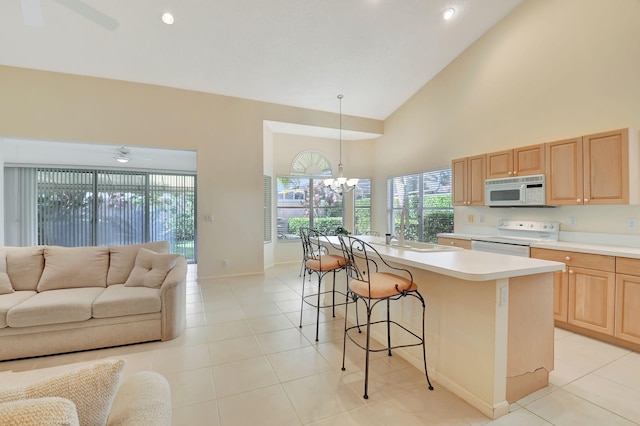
627 310
592 299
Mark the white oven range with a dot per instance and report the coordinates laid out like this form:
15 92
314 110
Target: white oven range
514 237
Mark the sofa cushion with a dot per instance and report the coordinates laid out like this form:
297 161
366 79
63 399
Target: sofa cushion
8 301
118 300
74 267
123 259
39 412
92 389
5 282
150 269
24 266
143 399
54 307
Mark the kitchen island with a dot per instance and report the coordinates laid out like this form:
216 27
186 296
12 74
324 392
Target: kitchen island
489 321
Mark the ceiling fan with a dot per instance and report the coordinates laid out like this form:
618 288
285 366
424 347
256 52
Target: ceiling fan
32 13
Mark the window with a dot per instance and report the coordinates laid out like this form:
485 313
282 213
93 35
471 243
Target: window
97 207
362 207
306 202
427 198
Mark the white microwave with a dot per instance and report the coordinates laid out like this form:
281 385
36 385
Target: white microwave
515 191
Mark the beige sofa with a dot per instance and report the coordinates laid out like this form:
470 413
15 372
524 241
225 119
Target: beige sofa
64 299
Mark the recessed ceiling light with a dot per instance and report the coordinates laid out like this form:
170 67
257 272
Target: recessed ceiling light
167 18
448 14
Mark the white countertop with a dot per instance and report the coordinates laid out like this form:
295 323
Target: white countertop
581 247
463 264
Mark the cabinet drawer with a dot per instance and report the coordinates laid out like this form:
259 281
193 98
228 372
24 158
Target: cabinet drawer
581 260
628 266
456 242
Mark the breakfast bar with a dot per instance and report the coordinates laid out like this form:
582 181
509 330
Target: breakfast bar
489 322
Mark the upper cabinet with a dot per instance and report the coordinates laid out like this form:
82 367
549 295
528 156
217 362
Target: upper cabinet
468 176
593 169
523 161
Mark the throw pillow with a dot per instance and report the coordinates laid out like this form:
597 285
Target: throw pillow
123 258
74 267
5 282
150 269
92 389
39 412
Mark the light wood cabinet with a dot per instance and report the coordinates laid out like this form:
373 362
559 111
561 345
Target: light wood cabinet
584 293
593 169
627 309
455 242
522 161
468 176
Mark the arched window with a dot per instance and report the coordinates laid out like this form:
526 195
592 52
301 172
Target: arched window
311 163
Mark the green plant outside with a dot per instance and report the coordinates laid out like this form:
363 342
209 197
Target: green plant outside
325 225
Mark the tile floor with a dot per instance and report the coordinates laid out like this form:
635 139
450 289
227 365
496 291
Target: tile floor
243 361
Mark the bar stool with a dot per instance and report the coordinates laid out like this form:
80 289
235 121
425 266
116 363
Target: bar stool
316 260
367 284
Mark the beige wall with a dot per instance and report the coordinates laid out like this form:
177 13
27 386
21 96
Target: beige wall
227 134
552 69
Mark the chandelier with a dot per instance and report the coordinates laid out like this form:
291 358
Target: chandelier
341 184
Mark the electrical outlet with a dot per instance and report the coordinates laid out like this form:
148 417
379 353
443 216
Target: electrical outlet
573 221
632 223
504 296
481 218
225 263
470 218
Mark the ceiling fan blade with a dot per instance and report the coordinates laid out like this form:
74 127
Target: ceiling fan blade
91 13
32 13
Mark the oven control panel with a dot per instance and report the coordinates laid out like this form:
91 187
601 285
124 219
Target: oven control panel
529 229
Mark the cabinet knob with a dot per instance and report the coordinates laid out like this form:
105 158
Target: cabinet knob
567 258
452 243
571 271
510 173
578 200
586 200
515 173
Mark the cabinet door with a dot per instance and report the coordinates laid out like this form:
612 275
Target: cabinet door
500 164
455 242
628 308
475 182
606 167
564 171
591 299
560 296
529 160
459 182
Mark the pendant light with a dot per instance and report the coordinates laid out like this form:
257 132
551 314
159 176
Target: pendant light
341 184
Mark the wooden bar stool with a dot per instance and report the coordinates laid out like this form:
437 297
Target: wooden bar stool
371 286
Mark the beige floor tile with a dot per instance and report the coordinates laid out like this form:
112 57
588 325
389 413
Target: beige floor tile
562 408
191 387
265 407
195 320
602 392
228 330
566 372
282 340
241 376
202 414
625 371
194 308
359 416
320 396
266 324
586 353
520 417
234 349
298 363
226 315
181 358
253 310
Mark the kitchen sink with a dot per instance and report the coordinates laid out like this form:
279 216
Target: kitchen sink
418 247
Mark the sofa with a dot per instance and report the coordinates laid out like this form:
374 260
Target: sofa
88 394
64 299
